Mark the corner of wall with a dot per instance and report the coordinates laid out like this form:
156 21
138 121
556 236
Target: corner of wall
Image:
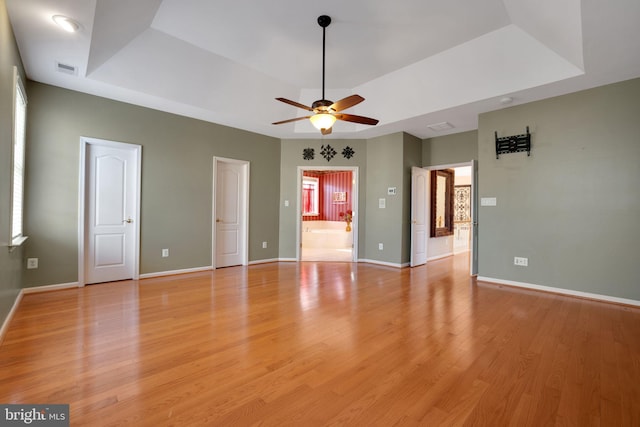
11 262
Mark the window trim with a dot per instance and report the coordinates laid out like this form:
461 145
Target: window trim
19 91
315 182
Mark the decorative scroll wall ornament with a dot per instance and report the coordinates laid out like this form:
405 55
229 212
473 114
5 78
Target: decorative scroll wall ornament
462 203
513 144
308 153
348 152
328 152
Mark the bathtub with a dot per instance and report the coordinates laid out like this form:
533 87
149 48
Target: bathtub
326 234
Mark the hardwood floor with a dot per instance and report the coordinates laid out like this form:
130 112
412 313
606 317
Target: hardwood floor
317 344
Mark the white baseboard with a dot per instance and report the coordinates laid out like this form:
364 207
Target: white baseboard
7 320
386 264
207 268
456 252
174 272
33 290
48 288
433 258
287 260
561 291
263 261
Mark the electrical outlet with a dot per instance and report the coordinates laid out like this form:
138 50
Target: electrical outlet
32 263
165 253
380 247
264 245
523 262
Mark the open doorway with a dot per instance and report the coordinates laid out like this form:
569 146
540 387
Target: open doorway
462 210
327 220
461 237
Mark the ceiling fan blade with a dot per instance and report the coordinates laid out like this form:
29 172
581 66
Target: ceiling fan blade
356 119
347 102
294 103
290 120
325 131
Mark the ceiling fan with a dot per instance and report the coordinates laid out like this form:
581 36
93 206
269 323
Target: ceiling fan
325 112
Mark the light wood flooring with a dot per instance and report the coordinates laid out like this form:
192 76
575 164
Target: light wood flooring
324 344
322 254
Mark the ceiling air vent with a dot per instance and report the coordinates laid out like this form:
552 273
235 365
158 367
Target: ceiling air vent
438 127
66 68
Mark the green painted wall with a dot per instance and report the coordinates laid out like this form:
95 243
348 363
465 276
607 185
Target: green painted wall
177 167
572 208
11 263
385 163
450 149
291 159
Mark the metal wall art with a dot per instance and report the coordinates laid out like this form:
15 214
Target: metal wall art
462 203
327 152
348 152
308 154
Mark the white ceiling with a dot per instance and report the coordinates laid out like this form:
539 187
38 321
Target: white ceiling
416 62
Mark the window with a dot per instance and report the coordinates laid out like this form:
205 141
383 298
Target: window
17 179
310 196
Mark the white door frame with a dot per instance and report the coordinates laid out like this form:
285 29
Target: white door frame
472 250
244 214
85 142
473 244
354 205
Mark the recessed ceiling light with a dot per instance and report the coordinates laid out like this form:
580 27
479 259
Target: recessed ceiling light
66 23
506 100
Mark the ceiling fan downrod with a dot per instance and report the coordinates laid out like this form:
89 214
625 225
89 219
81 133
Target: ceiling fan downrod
323 21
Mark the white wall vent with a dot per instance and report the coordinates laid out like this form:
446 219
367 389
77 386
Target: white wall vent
66 68
438 127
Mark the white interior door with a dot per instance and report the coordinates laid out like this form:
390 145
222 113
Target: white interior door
419 216
230 203
111 211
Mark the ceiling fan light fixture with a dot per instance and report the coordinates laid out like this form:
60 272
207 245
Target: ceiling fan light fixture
322 120
66 23
323 110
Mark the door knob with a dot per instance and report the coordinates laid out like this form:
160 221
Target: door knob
128 220
218 220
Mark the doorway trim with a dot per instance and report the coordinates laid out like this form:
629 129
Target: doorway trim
85 142
244 213
354 205
473 245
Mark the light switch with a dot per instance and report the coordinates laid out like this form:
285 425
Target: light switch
382 203
488 201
